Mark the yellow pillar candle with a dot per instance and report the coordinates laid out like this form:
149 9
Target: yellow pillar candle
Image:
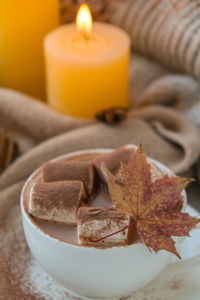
23 26
87 71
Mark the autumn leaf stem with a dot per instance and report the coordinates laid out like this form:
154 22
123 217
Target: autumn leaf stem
116 232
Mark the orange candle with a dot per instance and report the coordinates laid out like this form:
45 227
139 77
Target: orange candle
23 26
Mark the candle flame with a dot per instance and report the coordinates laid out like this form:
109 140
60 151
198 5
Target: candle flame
84 20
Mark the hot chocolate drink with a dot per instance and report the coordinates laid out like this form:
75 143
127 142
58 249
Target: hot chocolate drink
70 199
99 198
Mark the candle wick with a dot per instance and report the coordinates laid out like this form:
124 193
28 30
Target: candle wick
86 37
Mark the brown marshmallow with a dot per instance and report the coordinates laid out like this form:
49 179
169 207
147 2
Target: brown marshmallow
69 170
111 161
56 201
97 222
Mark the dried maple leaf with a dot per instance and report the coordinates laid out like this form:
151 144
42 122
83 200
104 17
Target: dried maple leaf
151 204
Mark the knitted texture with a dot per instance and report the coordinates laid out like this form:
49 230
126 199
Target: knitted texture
169 33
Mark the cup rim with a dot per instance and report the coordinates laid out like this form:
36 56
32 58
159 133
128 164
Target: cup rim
47 235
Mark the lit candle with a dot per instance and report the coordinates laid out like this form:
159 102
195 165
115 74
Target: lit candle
87 69
23 26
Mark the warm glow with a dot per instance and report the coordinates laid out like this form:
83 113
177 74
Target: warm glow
84 20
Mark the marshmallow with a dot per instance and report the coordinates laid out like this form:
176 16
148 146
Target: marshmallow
69 170
111 161
56 201
97 222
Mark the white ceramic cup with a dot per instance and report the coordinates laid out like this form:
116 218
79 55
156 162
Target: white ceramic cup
87 271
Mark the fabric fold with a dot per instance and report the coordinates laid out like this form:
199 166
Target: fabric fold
178 142
176 90
9 197
25 117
